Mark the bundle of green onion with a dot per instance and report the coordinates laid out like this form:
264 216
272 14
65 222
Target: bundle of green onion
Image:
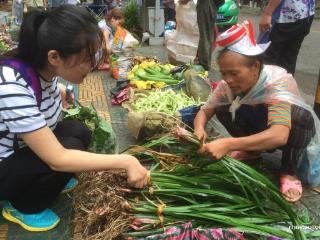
224 193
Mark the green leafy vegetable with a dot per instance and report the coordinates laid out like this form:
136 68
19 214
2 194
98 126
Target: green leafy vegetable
103 138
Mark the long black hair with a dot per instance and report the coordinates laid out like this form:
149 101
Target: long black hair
68 29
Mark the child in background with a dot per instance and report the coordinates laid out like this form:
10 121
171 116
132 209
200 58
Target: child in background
109 24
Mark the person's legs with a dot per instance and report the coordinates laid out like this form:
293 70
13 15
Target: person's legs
273 54
236 128
171 15
206 12
248 120
290 54
286 40
29 188
166 14
301 133
29 184
76 130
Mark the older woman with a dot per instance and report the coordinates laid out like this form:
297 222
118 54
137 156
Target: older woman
261 107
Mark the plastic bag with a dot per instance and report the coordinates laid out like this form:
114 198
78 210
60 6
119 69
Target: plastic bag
118 38
309 171
123 39
120 66
188 114
129 41
144 125
196 86
182 43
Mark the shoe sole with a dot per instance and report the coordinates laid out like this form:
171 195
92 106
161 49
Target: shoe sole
69 189
10 218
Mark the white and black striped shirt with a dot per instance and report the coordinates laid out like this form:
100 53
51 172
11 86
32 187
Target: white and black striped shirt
19 112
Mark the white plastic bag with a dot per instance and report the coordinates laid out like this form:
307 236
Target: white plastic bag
182 44
129 41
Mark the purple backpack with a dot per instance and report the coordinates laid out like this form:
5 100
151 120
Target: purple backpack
28 74
32 79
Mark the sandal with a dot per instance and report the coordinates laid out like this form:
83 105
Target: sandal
286 183
244 155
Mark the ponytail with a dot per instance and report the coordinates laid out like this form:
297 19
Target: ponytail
67 29
28 47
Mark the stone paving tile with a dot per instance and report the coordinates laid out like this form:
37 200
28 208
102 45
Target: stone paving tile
91 91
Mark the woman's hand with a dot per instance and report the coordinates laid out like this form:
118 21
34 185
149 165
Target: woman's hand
217 148
137 174
265 22
201 134
63 92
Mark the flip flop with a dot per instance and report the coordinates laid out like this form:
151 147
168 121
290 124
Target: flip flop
244 155
286 184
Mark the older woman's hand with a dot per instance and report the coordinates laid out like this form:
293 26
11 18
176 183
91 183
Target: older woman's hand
217 148
200 133
183 2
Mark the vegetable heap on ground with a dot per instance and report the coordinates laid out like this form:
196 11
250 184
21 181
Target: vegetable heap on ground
168 102
103 139
186 187
6 42
224 193
3 46
150 74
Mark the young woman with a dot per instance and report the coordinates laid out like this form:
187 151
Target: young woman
262 109
109 24
39 153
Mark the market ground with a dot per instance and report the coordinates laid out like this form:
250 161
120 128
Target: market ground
97 88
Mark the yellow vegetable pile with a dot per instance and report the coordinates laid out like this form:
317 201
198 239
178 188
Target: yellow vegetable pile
149 74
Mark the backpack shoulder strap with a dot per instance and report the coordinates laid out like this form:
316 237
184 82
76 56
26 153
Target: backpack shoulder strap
28 74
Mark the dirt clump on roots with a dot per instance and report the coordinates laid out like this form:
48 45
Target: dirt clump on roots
100 207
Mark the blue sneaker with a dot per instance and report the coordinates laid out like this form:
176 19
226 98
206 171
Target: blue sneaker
38 222
73 182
